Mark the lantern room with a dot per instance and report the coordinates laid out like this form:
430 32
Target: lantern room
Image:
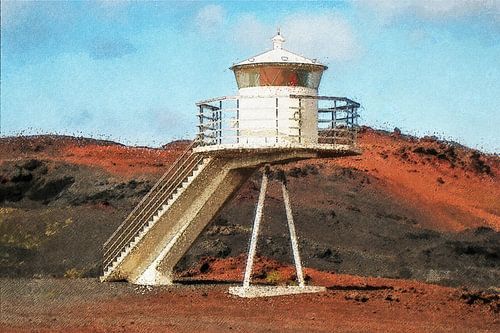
278 68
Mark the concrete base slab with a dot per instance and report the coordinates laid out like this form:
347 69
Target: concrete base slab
268 291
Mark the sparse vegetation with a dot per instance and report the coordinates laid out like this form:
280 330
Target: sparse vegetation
54 227
273 277
73 273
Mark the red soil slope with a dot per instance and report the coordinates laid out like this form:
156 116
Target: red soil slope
115 158
442 181
269 271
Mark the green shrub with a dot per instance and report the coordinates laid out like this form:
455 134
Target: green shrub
273 277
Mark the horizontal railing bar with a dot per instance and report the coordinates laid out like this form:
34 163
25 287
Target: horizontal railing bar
232 120
347 108
208 125
326 98
217 99
202 116
240 97
208 106
336 120
334 130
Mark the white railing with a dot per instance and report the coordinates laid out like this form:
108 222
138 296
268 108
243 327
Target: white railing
144 212
220 119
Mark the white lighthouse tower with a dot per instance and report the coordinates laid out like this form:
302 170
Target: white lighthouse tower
277 116
277 106
268 115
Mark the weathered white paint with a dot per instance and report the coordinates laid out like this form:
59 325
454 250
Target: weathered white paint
269 291
258 291
293 236
267 115
255 231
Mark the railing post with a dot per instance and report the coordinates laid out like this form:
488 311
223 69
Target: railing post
351 127
277 124
238 120
202 129
334 125
220 122
300 120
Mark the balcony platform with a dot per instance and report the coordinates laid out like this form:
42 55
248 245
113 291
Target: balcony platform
318 149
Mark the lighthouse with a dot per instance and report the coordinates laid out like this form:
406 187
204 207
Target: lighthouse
276 116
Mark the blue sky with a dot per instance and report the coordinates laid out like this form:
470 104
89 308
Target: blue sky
132 71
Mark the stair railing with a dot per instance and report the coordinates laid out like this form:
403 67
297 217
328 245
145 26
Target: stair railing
160 193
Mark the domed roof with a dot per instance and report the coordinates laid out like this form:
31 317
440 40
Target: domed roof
278 55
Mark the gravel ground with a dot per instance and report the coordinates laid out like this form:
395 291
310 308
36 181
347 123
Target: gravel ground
86 305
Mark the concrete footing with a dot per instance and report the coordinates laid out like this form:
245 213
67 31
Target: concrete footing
269 291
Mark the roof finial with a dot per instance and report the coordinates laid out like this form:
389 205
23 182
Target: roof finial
278 41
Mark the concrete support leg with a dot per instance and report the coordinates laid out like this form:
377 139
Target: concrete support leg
255 232
266 291
293 235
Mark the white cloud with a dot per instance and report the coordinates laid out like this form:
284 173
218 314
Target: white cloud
210 18
433 9
326 36
14 12
251 33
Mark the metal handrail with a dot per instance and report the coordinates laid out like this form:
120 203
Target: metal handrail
328 98
144 215
148 206
220 123
138 223
172 167
149 211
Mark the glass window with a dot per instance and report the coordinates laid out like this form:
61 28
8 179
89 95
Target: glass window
247 78
278 76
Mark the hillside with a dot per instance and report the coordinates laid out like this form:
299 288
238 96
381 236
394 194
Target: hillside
408 207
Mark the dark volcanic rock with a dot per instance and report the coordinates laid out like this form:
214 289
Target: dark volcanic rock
46 190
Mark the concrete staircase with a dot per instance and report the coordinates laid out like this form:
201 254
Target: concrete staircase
159 231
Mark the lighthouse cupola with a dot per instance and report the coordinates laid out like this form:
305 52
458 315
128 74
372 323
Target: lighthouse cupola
278 71
269 79
278 41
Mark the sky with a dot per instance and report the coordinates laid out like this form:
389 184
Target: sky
133 71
